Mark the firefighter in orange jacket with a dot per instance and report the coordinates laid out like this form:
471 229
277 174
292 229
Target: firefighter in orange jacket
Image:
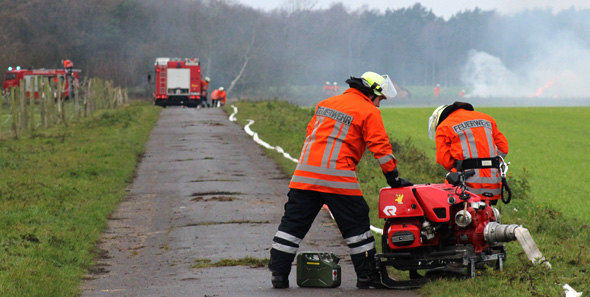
328 89
68 64
341 129
335 89
222 96
218 97
437 91
205 91
214 97
467 139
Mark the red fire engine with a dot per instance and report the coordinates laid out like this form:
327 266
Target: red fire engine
13 77
178 82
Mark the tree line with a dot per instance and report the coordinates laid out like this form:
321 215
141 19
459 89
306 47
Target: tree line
248 50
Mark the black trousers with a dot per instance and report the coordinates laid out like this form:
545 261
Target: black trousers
351 214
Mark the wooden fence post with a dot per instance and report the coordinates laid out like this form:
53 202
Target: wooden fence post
14 109
51 109
87 98
109 94
43 103
23 106
34 85
58 100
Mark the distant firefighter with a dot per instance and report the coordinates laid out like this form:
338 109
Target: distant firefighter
327 89
335 89
437 91
205 91
68 64
218 97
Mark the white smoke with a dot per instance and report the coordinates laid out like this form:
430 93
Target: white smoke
487 76
558 68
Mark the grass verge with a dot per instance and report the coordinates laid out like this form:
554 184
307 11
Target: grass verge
57 188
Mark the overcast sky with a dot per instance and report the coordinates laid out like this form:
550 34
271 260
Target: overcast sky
443 8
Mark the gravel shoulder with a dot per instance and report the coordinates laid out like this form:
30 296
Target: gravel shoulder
205 190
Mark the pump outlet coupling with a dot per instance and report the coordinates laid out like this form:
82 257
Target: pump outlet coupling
494 232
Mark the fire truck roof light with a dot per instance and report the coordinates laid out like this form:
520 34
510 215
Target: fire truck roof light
9 68
17 67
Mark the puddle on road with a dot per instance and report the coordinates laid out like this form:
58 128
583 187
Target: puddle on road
213 180
217 198
215 193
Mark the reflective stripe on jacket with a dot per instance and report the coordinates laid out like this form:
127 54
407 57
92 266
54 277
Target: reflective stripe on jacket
468 134
341 129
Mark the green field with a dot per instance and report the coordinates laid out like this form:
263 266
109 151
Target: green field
546 146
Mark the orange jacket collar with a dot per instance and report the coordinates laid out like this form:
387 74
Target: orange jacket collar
355 91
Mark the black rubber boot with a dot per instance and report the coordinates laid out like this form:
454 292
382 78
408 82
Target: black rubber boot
280 281
369 281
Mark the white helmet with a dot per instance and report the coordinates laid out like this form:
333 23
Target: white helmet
221 88
380 84
335 83
433 121
207 79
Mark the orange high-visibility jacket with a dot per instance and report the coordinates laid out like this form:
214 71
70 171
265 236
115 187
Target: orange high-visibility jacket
68 64
341 129
204 87
215 94
468 134
221 96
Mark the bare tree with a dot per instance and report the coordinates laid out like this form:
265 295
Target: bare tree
251 51
298 5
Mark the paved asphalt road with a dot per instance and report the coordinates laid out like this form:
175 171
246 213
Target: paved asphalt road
205 190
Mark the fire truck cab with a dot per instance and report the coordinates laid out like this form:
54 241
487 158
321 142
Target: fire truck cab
57 77
177 82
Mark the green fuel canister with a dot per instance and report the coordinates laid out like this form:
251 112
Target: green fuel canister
318 270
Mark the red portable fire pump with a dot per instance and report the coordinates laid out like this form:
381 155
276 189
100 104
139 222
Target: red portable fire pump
442 226
178 82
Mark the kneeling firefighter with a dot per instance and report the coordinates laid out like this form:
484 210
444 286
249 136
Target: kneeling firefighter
338 134
467 139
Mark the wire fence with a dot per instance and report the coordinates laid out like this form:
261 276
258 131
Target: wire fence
46 103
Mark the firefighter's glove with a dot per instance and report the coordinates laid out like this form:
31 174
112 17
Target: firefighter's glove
394 181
